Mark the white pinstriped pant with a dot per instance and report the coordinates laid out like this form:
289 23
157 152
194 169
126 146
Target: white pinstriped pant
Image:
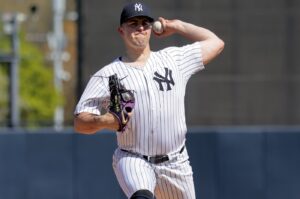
172 179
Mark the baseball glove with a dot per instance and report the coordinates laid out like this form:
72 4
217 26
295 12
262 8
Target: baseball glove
121 101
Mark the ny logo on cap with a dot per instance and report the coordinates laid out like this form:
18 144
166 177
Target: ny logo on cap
138 7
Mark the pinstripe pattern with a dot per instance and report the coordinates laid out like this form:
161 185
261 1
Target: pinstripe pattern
158 125
168 180
133 172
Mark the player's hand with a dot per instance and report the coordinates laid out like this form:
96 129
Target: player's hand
112 122
170 27
122 101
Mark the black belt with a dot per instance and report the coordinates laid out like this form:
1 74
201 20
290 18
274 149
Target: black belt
156 159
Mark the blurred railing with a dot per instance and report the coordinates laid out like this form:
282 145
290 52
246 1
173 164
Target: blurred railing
228 163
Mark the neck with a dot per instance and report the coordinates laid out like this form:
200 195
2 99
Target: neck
136 57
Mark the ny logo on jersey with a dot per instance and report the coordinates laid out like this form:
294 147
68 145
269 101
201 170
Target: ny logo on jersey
138 7
167 79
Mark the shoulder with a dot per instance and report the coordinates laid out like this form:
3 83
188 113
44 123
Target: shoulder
175 50
109 69
178 53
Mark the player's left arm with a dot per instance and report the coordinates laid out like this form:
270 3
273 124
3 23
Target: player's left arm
88 123
211 44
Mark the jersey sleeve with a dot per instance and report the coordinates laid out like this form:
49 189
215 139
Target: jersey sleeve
188 58
94 97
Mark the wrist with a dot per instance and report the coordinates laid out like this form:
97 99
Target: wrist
110 121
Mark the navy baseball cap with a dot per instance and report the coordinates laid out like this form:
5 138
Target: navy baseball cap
135 10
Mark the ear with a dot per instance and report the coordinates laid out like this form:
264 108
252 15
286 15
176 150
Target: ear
120 30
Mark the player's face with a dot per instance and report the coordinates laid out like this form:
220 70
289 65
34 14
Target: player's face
136 32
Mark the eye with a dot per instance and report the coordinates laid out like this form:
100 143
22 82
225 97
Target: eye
132 24
146 23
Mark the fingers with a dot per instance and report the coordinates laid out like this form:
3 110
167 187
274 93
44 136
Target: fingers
130 113
117 122
169 27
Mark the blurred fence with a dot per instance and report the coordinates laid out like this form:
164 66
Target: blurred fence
228 163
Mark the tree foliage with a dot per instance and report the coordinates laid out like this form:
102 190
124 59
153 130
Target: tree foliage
38 97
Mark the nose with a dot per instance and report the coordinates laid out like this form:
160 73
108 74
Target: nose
140 27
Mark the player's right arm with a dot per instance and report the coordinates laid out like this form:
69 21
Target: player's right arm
88 123
211 44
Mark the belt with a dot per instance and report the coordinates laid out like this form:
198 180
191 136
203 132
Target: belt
156 159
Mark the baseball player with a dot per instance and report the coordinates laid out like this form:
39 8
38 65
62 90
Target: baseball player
151 159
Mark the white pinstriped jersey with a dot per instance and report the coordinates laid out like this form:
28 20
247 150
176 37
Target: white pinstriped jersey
158 124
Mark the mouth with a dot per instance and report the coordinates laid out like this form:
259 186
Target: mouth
140 33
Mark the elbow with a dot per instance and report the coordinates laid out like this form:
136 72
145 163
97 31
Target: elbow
79 127
221 46
212 50
84 131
